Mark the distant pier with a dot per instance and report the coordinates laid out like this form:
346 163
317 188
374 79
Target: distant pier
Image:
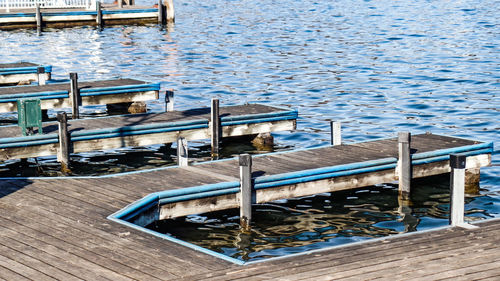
100 15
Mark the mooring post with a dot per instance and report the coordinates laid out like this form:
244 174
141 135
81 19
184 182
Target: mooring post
161 13
40 71
64 142
246 189
169 5
215 127
169 100
404 163
38 17
182 152
74 95
457 189
99 15
335 133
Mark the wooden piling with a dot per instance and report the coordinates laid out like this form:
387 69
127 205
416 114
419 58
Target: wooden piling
245 161
38 17
169 100
161 13
74 95
182 152
472 179
215 127
64 142
99 15
335 133
404 164
457 189
170 12
41 75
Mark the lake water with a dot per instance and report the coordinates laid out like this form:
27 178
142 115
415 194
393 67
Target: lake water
379 67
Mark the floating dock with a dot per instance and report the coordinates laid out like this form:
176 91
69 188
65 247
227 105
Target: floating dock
145 129
58 228
103 92
307 172
24 73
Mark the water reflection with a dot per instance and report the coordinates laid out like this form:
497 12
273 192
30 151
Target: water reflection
301 224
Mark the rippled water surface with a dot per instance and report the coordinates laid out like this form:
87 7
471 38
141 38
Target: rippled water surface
324 220
378 66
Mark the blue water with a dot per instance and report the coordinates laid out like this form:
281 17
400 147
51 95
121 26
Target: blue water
379 67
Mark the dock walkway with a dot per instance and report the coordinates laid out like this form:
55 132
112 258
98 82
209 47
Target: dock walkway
23 73
134 130
57 228
57 95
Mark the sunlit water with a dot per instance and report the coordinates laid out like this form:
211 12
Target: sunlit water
378 66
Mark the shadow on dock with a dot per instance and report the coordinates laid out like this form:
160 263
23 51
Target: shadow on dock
8 186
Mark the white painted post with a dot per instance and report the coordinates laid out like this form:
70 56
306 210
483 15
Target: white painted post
335 133
169 100
182 152
245 161
404 164
40 71
169 4
457 189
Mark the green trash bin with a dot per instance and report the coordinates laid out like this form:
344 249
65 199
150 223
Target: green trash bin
29 115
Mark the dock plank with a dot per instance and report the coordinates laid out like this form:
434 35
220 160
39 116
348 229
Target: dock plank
23 270
42 266
7 274
98 247
96 219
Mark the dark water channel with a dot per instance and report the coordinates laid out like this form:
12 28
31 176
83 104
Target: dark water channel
379 67
325 220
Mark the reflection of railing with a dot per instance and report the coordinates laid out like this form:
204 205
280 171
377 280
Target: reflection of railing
27 4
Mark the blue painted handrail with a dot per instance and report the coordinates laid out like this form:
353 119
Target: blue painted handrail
84 92
225 188
24 70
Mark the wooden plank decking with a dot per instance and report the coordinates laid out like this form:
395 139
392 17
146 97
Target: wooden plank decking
57 229
172 125
93 93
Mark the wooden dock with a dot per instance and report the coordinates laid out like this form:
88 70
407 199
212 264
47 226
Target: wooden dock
103 92
145 129
108 14
24 73
58 228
